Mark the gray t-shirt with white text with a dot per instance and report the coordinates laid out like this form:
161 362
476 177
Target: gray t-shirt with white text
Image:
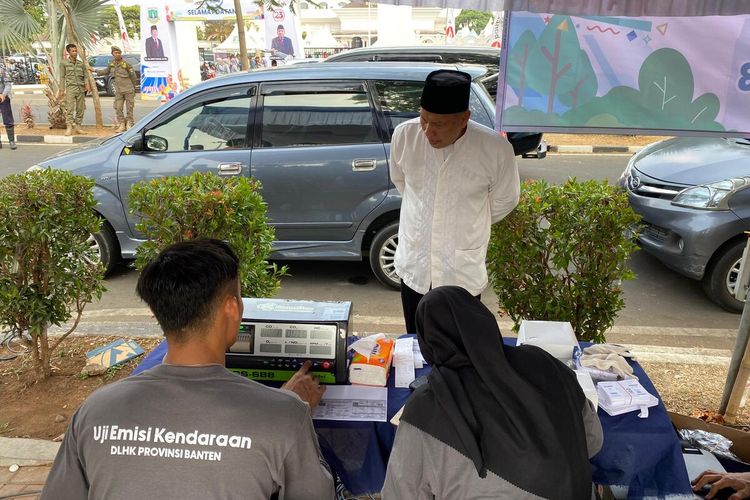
189 432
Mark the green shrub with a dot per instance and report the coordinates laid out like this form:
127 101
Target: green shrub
47 267
561 255
174 209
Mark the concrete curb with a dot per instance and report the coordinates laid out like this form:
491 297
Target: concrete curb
50 139
28 89
595 149
25 451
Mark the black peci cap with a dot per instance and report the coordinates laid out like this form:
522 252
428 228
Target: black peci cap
446 91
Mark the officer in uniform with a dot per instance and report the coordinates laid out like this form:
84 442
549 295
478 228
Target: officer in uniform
126 82
73 86
5 110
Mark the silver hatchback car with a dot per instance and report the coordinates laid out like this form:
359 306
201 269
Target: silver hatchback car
317 136
693 197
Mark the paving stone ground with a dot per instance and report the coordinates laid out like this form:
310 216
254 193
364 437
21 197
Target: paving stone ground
24 484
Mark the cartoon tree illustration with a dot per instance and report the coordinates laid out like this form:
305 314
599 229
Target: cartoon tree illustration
518 59
585 85
667 85
663 100
556 56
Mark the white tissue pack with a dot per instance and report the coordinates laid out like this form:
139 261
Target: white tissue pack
555 337
371 362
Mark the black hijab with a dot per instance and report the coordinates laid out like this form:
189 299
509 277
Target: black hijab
515 411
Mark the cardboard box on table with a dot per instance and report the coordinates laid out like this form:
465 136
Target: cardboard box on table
740 439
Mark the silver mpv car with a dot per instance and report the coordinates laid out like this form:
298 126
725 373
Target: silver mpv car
316 136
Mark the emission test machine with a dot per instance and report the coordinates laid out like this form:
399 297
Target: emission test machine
277 336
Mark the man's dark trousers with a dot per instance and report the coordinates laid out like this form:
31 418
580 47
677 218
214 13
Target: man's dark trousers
7 114
410 300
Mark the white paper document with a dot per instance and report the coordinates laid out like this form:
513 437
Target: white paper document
403 360
353 403
419 361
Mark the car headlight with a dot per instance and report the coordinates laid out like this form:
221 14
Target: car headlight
623 180
34 168
712 196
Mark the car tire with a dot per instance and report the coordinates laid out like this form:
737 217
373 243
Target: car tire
383 256
111 87
105 243
718 282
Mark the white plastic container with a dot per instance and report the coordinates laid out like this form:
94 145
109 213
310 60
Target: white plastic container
555 337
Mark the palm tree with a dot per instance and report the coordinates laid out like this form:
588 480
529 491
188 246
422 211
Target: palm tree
218 30
77 19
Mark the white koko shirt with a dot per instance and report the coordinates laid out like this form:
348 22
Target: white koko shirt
450 200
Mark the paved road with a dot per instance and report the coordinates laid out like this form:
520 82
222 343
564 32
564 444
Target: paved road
39 106
662 309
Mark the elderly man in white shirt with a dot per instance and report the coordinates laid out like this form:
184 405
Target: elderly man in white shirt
457 178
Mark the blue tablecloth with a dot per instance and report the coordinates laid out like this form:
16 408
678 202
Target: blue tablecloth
643 454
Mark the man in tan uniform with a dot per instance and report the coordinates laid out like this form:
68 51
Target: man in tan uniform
126 82
73 86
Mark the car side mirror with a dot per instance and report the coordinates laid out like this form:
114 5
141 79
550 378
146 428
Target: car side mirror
156 143
524 142
135 144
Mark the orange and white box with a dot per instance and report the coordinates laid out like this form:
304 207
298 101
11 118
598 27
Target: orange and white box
372 368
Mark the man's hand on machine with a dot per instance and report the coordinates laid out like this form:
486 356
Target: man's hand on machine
307 387
733 486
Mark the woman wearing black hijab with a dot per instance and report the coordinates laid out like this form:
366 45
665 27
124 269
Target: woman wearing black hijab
494 421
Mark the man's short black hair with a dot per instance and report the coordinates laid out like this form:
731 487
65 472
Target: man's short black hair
154 27
183 283
70 46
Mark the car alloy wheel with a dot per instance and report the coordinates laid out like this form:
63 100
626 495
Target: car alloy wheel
721 276
383 256
387 258
732 275
105 247
94 245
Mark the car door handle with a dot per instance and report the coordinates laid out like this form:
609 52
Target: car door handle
230 168
364 165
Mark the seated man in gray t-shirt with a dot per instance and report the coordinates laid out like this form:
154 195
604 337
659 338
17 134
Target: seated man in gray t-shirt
189 428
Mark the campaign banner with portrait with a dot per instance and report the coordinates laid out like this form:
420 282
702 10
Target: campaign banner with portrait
622 75
283 39
161 78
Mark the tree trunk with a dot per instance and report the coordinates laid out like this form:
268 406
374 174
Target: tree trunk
45 353
241 32
40 350
522 89
574 92
56 110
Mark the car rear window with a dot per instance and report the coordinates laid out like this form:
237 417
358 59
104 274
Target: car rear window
317 119
400 101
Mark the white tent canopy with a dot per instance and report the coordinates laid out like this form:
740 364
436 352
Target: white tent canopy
630 8
322 39
256 39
